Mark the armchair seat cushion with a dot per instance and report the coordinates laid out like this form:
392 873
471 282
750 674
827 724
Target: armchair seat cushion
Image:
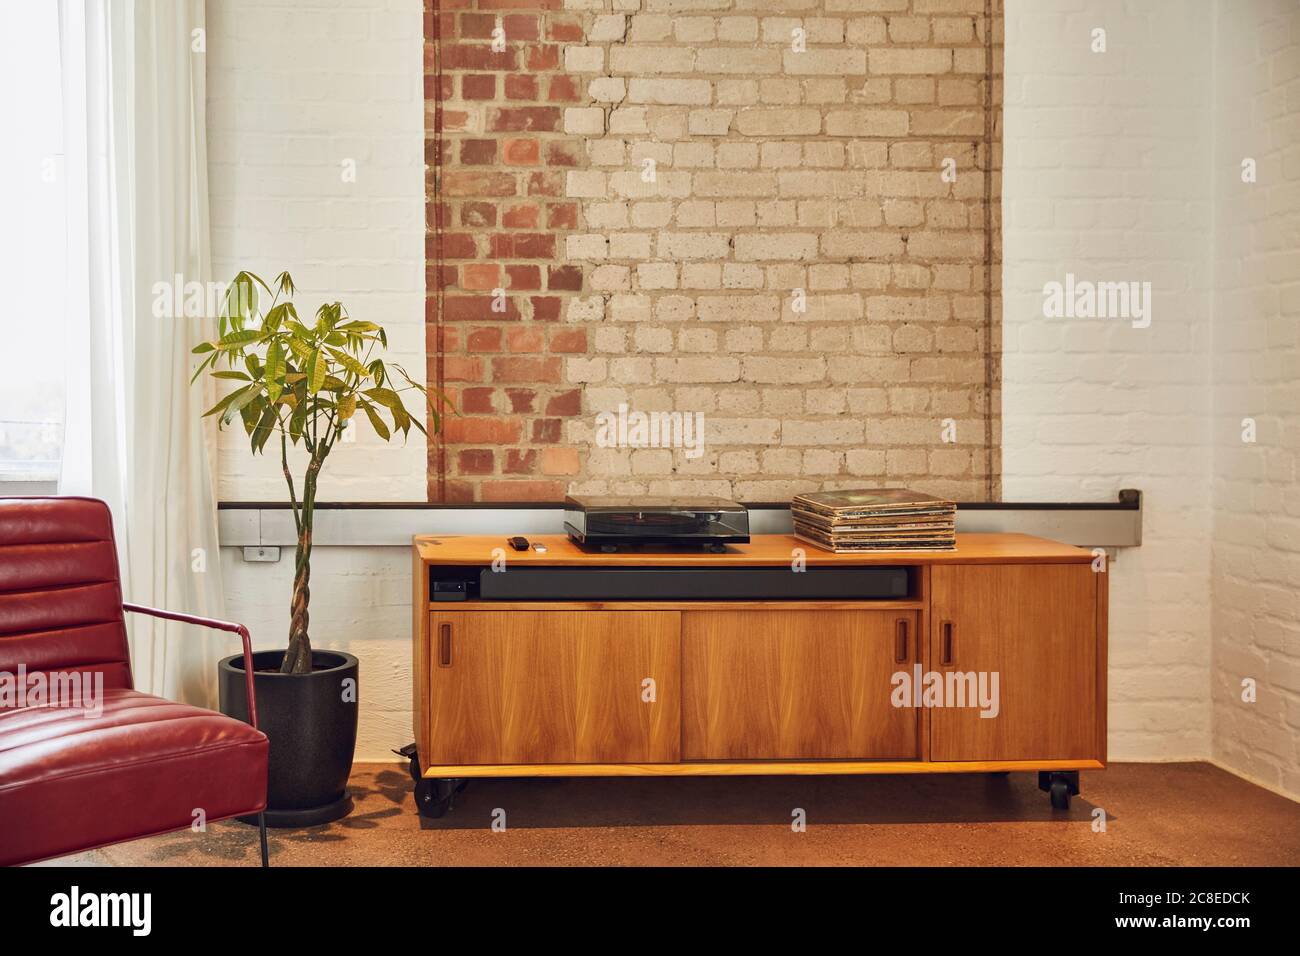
70 781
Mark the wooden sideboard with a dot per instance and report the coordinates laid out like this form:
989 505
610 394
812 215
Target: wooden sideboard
670 687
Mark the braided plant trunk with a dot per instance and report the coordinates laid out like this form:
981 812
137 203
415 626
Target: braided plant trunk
297 659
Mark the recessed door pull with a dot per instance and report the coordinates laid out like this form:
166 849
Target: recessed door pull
444 645
900 640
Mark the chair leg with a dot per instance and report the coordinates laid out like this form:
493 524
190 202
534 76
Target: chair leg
261 828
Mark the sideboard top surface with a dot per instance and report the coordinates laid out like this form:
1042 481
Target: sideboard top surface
764 549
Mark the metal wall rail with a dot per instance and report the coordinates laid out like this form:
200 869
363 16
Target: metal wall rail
260 525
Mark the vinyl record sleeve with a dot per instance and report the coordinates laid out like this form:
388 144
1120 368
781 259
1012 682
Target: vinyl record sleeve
882 502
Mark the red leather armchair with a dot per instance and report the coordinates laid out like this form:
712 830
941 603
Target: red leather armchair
77 777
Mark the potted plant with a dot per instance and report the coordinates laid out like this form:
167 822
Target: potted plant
302 384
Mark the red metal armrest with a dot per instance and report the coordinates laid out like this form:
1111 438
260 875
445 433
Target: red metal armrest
216 625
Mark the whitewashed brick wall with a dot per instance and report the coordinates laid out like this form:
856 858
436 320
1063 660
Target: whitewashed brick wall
1256 558
1107 175
294 90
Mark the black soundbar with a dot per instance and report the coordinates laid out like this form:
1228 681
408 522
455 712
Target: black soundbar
671 584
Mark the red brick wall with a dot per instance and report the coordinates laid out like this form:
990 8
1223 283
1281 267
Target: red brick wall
800 268
497 158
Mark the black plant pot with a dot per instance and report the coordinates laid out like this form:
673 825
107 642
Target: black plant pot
311 721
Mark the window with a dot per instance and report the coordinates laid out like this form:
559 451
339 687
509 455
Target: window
33 254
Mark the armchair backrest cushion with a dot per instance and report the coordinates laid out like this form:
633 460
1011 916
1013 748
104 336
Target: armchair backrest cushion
60 592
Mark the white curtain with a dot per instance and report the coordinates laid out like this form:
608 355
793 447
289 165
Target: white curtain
134 114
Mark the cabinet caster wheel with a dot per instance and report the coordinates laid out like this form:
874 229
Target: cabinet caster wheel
435 796
413 761
1060 785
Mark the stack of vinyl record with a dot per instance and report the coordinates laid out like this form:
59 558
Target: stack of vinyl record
881 519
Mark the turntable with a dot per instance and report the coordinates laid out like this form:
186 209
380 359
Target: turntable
611 522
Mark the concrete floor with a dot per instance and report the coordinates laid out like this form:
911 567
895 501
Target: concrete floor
1188 814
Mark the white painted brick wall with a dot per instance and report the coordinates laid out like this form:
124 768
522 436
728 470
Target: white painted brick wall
1256 563
1107 175
293 91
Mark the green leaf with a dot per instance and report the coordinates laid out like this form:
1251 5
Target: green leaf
249 392
434 400
375 421
258 279
284 282
347 406
210 360
235 340
278 315
401 419
274 371
244 293
237 376
350 363
265 426
316 369
386 397
225 402
298 422
202 347
251 412
327 316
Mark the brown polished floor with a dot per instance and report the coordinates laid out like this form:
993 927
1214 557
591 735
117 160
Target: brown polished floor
1190 814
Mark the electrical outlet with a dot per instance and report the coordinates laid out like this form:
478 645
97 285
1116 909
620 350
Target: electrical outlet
261 554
